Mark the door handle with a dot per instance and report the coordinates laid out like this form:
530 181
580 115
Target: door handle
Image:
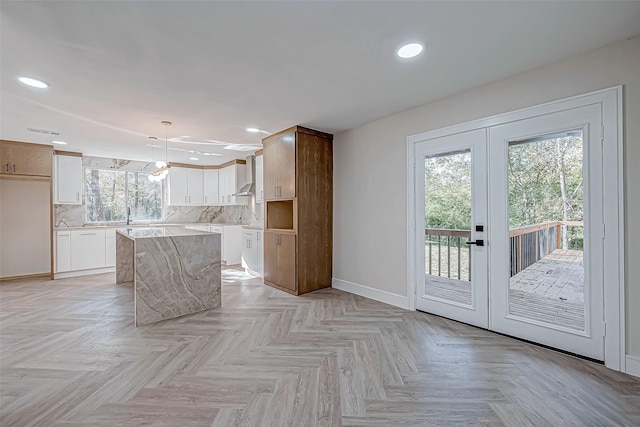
478 242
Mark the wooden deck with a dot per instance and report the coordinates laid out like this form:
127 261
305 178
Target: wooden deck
551 290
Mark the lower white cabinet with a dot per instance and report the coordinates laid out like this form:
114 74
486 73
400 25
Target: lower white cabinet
253 252
63 251
87 249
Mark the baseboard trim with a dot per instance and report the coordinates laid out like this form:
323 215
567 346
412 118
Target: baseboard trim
371 293
68 274
26 276
633 365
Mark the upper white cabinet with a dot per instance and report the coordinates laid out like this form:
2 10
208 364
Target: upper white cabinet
211 183
185 186
68 182
231 179
259 179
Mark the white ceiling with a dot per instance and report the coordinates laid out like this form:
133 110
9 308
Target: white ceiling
116 69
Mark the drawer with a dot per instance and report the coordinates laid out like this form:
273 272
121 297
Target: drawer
250 234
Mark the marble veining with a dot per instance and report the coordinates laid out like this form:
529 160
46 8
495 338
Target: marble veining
176 271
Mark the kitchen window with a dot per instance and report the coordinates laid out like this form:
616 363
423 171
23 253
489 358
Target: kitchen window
110 192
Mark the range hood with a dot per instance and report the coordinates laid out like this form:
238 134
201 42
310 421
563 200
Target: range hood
249 189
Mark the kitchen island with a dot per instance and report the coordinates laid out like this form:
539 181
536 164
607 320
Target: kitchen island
174 271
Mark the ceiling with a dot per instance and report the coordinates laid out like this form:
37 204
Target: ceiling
116 69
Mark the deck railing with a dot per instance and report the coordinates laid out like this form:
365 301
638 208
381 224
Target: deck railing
447 255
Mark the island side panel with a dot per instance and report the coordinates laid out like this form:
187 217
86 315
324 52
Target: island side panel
175 276
124 259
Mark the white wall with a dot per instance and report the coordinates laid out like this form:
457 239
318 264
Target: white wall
370 206
25 227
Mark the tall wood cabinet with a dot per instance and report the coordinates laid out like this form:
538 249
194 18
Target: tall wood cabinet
298 194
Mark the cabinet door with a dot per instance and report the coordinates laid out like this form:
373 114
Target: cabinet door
31 161
259 179
211 184
177 179
195 186
231 184
287 261
5 159
68 180
270 258
63 251
287 166
246 252
260 252
270 171
222 185
87 249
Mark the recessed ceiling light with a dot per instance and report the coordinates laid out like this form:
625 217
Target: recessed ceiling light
193 158
253 130
410 50
33 82
59 142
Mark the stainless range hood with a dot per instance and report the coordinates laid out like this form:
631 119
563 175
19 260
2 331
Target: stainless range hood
249 189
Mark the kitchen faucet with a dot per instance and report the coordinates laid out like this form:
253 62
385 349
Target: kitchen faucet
128 215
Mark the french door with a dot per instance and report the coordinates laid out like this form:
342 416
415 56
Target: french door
451 192
513 228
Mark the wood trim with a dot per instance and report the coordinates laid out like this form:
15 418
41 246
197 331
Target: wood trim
51 231
26 276
67 153
259 152
25 177
224 165
29 144
281 288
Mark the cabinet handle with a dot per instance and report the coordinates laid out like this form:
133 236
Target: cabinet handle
189 199
77 196
88 234
261 194
14 168
258 237
228 198
205 199
6 168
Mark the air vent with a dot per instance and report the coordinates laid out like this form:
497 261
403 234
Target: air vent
46 132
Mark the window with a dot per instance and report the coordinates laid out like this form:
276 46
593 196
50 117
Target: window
109 193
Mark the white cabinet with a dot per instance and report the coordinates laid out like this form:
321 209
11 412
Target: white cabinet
259 179
185 186
87 249
211 184
68 180
110 247
231 179
252 252
63 251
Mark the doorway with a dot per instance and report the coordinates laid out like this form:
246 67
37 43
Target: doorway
509 223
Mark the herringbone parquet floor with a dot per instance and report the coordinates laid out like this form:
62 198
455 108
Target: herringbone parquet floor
70 356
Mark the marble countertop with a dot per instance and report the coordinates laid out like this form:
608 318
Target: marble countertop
156 225
155 232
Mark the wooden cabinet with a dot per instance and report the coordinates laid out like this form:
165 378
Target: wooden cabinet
67 180
280 260
211 187
17 158
279 166
185 186
298 170
259 179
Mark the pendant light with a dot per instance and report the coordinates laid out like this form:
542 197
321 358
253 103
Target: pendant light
163 167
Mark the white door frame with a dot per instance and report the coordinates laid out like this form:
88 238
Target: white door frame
613 188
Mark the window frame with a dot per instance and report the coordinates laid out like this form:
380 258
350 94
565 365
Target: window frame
126 198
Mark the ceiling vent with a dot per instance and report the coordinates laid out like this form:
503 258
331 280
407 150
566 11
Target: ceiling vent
46 132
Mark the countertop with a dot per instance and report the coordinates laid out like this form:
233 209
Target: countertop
123 225
155 232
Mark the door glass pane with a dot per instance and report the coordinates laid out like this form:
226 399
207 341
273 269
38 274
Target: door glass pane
447 222
546 229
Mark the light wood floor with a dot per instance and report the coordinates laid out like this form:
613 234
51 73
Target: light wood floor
70 356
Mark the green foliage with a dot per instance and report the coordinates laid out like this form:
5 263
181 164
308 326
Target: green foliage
448 191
